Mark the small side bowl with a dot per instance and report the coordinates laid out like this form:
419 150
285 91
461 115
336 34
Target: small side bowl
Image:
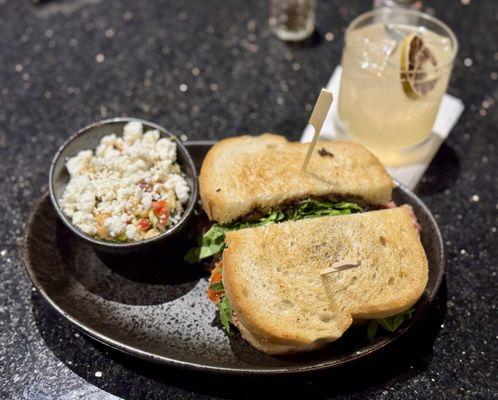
89 138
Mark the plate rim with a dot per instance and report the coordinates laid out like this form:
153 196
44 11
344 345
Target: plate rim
193 366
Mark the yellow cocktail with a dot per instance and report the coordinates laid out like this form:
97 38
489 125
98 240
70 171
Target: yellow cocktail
396 67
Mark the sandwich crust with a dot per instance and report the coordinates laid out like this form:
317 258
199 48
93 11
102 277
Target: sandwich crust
281 302
247 173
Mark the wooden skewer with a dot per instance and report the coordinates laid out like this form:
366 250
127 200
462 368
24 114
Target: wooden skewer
340 266
317 119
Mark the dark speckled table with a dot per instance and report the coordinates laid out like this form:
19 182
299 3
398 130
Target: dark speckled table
211 69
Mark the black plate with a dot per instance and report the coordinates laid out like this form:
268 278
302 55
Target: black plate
154 306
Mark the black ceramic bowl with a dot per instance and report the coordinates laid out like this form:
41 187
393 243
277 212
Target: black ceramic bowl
89 138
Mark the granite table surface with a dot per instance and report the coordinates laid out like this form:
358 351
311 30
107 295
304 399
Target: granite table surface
208 70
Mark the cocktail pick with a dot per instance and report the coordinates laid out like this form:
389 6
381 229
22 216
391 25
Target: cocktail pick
341 266
316 120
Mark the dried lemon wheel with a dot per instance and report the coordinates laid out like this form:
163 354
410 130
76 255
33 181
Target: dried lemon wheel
416 61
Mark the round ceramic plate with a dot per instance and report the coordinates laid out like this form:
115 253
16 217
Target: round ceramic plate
154 306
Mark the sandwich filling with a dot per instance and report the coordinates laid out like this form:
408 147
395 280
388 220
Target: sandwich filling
216 293
212 241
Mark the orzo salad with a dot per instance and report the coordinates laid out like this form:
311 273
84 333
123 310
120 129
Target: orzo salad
129 189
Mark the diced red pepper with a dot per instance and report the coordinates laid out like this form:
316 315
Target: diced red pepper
215 295
159 207
144 224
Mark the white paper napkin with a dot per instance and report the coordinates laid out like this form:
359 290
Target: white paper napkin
450 110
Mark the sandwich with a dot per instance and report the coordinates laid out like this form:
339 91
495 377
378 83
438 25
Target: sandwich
252 175
251 181
283 293
296 256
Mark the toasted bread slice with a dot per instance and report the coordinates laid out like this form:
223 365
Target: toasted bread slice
247 173
281 301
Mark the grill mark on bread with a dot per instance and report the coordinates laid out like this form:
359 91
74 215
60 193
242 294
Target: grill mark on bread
325 153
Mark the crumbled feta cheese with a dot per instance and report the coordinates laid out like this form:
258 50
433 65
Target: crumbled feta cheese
137 165
151 136
87 202
108 140
132 131
76 165
112 193
131 231
147 200
114 225
106 151
181 190
85 222
124 192
166 149
179 185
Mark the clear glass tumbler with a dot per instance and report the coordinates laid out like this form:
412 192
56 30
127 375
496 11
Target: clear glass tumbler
292 20
396 66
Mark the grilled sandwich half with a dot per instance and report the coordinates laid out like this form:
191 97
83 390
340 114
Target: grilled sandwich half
283 299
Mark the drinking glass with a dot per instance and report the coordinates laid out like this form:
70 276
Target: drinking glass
396 66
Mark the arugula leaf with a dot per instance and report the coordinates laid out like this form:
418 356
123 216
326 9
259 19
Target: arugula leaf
315 208
274 217
213 241
225 311
223 307
352 206
372 329
389 324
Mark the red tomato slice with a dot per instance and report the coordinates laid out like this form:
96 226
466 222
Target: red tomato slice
215 295
159 207
144 224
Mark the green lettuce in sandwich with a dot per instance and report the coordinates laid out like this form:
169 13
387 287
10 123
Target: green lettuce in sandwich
212 242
